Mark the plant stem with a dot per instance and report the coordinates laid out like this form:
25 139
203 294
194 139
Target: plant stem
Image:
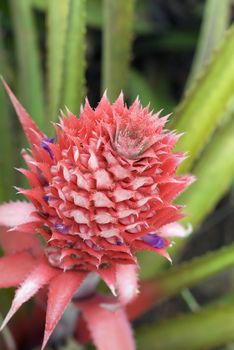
7 337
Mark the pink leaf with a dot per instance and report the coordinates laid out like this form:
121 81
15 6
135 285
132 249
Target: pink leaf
61 290
108 324
15 241
40 276
15 268
126 280
175 229
31 130
16 213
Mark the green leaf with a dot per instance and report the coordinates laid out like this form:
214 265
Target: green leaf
215 22
186 275
40 4
28 60
142 24
190 273
74 65
6 132
58 12
205 103
94 13
214 172
208 328
117 40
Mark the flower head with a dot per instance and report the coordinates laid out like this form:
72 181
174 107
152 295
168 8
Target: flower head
101 190
103 185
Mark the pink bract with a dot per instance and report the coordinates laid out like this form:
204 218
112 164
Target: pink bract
100 191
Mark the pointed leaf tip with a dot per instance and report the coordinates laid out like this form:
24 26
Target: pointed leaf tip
30 128
40 276
109 277
127 283
61 290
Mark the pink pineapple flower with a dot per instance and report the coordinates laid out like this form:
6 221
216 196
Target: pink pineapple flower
101 190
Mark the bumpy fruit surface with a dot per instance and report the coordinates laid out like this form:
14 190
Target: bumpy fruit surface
103 187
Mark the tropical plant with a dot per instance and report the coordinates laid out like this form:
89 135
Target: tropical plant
47 68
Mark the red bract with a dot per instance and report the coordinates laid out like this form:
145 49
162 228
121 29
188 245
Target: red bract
101 190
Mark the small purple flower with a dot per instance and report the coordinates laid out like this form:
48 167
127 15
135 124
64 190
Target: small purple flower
154 240
61 228
45 145
46 198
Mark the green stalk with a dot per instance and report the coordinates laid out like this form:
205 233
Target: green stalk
215 22
117 40
74 70
189 299
58 12
205 103
8 337
28 60
209 328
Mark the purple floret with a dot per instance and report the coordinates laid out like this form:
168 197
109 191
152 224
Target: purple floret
45 145
46 198
154 240
61 228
